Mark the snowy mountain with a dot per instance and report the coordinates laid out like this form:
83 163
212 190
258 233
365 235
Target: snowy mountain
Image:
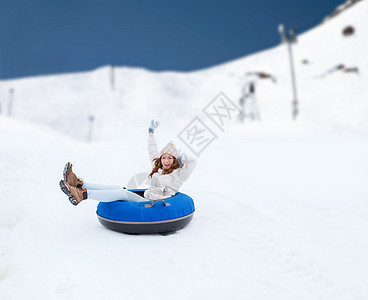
281 205
329 67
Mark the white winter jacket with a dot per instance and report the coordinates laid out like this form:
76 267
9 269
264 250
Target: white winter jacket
165 186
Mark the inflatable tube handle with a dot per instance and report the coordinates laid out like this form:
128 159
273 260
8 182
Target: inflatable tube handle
153 203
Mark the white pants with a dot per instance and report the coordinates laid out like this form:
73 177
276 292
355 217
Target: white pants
110 193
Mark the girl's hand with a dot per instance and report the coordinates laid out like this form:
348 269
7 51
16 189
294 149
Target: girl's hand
182 159
154 124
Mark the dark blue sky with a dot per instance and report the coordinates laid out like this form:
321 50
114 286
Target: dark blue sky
58 36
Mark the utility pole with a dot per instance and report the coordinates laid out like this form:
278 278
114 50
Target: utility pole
91 120
112 77
10 103
290 39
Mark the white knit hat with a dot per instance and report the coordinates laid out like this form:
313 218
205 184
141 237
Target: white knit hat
170 149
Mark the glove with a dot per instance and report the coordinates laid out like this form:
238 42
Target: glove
180 159
153 126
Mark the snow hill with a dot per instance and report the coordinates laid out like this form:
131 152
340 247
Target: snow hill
119 96
281 205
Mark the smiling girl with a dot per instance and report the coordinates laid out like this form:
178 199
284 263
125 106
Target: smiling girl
168 174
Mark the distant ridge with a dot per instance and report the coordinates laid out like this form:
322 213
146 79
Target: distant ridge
340 9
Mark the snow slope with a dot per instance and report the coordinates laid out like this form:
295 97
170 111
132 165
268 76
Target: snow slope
286 222
281 206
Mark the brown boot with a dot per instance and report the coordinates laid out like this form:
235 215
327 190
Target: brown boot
70 177
76 195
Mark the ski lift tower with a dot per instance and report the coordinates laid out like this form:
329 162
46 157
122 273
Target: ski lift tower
289 40
248 99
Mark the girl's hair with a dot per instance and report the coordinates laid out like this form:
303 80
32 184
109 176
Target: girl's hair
158 165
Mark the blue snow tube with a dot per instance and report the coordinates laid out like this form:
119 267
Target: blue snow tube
160 216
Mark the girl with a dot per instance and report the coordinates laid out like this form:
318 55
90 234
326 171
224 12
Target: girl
168 174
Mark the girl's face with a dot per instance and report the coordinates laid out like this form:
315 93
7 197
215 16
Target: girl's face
167 160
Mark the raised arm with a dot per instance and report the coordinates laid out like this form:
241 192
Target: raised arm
189 163
152 144
152 148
